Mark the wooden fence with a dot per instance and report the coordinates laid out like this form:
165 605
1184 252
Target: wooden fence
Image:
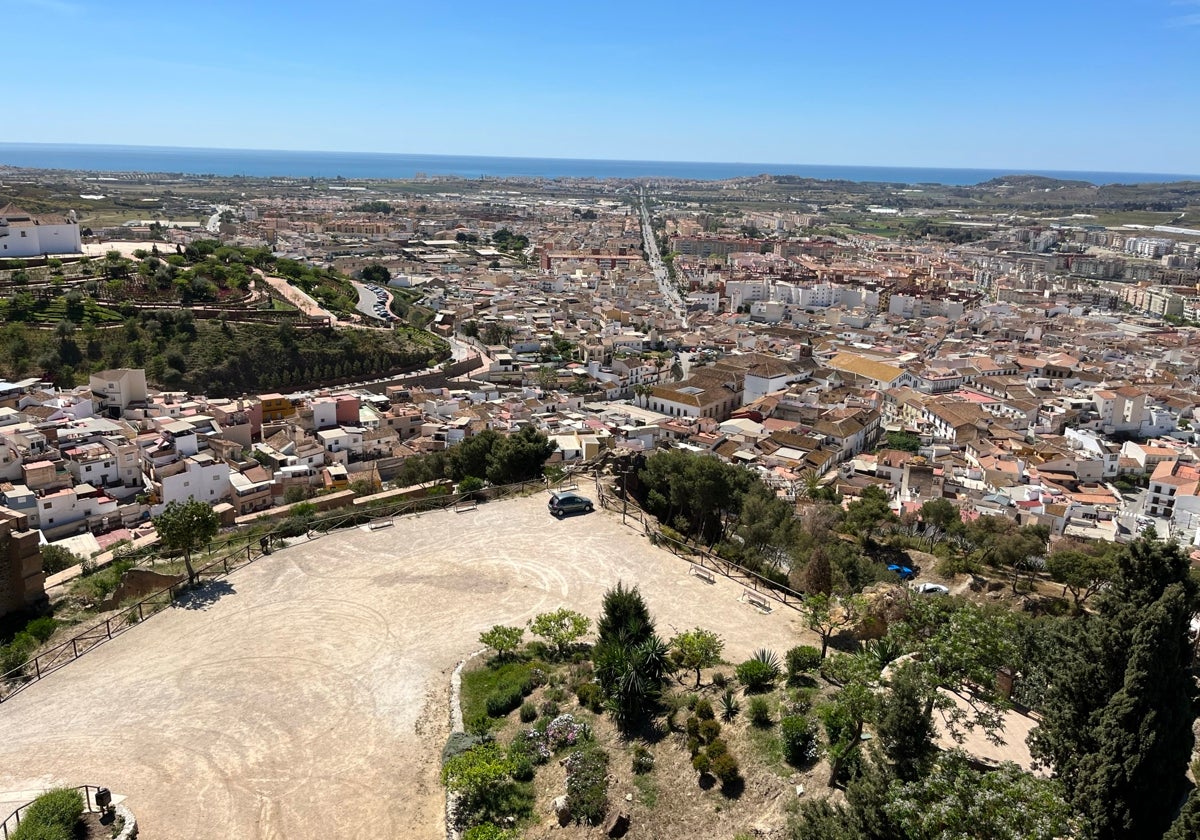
241 550
701 558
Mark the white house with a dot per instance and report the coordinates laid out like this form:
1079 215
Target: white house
26 235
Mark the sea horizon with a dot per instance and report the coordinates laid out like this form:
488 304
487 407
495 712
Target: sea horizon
292 164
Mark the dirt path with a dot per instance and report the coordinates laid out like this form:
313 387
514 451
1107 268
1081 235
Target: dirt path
311 701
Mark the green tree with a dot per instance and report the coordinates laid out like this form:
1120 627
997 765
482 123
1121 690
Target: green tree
185 526
956 644
956 800
1187 824
519 457
905 726
827 616
472 455
1084 570
904 441
376 274
868 514
1118 712
697 649
504 640
561 628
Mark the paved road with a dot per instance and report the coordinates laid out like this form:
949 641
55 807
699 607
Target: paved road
310 700
669 290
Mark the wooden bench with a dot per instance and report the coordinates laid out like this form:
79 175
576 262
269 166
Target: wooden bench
381 523
756 599
465 506
702 573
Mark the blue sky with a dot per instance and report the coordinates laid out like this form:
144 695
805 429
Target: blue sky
1052 84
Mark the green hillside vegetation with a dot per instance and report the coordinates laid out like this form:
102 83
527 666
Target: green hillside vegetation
213 357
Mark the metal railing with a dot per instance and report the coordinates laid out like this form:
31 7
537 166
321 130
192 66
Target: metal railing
89 804
702 557
63 653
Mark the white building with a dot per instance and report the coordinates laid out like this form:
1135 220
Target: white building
26 235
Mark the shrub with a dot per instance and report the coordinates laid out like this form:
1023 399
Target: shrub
801 701
692 700
709 730
760 712
564 731
704 710
532 742
479 724
756 675
719 679
801 660
799 735
477 775
693 745
504 701
554 694
41 628
587 783
458 743
725 767
700 763
673 703
549 709
52 816
529 713
716 748
488 831
643 760
729 706
17 652
759 672
522 767
692 726
589 696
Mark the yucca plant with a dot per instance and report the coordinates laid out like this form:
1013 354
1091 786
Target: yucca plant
770 659
729 706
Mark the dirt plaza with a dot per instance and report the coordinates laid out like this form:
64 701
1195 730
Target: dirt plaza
307 695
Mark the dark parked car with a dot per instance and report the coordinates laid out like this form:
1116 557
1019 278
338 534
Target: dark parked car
564 503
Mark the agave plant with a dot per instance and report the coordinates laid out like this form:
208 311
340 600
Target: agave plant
729 706
770 659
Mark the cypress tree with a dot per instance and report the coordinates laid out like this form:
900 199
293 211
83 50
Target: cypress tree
1117 722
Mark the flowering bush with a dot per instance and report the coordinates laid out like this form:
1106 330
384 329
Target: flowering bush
564 731
533 741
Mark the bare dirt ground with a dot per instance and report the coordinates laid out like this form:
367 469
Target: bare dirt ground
310 699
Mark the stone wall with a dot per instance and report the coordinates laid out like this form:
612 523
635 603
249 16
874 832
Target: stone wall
22 581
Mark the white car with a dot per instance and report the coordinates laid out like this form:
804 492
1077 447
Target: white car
931 589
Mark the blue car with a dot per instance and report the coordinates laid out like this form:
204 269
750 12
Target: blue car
904 572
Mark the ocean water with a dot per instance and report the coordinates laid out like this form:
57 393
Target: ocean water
354 165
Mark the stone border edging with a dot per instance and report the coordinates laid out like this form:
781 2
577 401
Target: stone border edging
456 725
130 831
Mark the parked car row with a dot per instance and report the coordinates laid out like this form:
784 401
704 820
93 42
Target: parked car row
380 307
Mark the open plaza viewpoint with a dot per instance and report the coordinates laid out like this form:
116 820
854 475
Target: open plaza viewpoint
311 698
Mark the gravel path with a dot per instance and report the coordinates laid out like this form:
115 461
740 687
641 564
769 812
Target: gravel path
311 700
